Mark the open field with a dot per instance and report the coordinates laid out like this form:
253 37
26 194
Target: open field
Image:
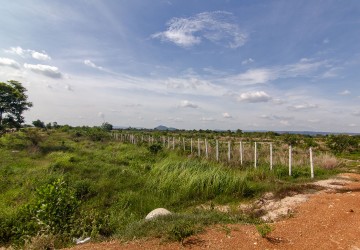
67 183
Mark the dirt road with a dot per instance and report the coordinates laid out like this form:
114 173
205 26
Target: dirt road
329 219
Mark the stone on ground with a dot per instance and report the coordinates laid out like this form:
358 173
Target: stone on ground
156 213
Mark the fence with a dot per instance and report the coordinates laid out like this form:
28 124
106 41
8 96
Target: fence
242 153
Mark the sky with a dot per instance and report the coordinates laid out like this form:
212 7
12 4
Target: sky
190 64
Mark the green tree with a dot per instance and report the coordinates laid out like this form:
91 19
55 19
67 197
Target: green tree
291 139
107 126
38 124
13 102
342 143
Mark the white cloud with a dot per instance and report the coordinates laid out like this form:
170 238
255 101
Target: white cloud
345 92
253 97
9 62
254 76
247 61
176 119
356 113
305 106
332 72
313 120
304 68
92 65
226 115
207 119
278 101
217 27
133 105
16 50
68 87
326 40
285 122
187 104
101 115
45 70
276 117
42 56
190 84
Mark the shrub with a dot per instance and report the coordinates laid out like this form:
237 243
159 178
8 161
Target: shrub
263 229
342 143
181 231
155 148
55 207
327 161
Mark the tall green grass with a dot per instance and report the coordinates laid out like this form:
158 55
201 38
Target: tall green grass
178 180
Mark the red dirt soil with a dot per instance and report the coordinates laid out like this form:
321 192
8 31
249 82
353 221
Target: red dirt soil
328 220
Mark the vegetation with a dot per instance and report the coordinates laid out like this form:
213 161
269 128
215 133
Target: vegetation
66 182
264 229
13 102
39 124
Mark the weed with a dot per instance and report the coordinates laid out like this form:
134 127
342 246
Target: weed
264 229
181 231
327 161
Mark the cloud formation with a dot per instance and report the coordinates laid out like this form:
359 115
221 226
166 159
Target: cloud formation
227 115
46 70
9 62
217 27
345 92
247 61
187 104
207 119
304 106
41 56
92 65
303 68
254 97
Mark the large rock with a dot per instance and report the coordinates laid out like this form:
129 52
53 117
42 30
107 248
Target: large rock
156 213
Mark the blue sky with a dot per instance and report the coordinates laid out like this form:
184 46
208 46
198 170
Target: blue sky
215 64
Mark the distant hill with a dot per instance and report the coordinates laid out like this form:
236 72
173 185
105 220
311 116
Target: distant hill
164 128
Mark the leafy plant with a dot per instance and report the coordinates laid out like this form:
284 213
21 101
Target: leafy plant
342 143
181 231
264 229
155 148
55 207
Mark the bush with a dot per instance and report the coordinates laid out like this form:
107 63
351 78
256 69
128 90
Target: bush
181 231
327 161
55 207
107 126
263 230
155 148
342 143
38 124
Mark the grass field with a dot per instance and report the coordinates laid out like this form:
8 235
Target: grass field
68 183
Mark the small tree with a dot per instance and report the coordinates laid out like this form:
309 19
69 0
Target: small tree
49 126
342 143
38 124
291 140
107 126
13 102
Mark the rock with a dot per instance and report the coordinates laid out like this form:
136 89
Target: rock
268 196
156 213
82 241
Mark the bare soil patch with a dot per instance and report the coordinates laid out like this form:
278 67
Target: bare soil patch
328 219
